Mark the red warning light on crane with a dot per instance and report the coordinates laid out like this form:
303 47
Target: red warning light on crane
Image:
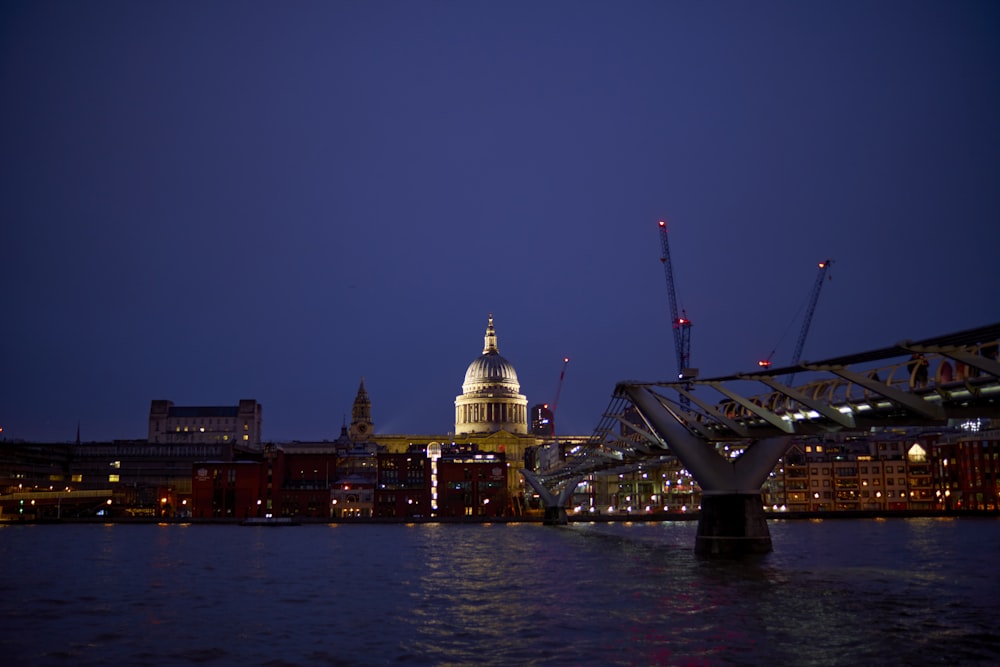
663 223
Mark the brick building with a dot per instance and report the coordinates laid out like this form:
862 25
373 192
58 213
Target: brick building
967 471
228 489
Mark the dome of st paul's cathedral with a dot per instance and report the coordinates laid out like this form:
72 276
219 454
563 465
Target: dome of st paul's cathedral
490 399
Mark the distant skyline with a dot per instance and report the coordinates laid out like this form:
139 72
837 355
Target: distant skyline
250 200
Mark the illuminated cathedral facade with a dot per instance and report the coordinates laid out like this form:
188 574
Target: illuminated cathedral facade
491 400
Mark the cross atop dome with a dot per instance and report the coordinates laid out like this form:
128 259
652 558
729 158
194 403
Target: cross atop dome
490 345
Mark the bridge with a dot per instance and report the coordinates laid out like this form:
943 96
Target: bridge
911 383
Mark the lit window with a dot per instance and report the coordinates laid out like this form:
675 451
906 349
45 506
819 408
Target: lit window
246 437
113 478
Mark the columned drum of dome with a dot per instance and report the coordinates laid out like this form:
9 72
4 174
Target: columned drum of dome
490 399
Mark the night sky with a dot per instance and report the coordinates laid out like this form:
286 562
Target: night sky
205 202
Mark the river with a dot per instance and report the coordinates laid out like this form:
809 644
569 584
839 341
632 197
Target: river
834 592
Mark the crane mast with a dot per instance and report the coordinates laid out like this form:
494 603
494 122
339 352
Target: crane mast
555 403
810 311
680 323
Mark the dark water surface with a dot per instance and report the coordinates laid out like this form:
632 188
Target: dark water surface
836 592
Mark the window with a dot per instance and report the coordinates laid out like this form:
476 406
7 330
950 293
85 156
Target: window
113 478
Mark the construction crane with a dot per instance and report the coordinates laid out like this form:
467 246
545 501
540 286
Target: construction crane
810 311
555 403
680 322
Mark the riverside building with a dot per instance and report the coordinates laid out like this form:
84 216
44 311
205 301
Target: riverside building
174 424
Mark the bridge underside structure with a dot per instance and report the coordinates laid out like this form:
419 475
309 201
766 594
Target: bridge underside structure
923 383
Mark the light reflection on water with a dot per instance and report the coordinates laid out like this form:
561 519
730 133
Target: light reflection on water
836 592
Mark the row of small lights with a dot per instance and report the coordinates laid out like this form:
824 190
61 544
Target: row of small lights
611 508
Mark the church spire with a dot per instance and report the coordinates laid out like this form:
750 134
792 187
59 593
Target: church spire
490 345
361 416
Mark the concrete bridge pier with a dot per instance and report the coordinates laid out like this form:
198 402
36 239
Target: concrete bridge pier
555 516
732 524
555 505
732 511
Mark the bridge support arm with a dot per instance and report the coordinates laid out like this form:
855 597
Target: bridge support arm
652 439
758 460
768 416
963 356
831 413
910 401
555 505
710 410
711 470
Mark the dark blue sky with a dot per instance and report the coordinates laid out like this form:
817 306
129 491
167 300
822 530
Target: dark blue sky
213 201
